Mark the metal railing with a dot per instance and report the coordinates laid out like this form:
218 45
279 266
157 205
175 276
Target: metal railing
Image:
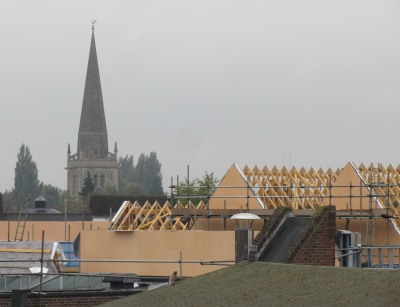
387 256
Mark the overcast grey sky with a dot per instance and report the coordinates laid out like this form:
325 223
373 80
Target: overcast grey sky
204 83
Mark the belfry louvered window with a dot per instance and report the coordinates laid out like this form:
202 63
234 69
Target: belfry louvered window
96 150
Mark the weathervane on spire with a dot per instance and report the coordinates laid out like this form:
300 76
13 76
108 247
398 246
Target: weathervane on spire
93 22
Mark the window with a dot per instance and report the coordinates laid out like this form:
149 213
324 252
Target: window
73 185
95 181
102 181
96 150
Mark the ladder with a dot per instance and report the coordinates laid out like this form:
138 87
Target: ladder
22 217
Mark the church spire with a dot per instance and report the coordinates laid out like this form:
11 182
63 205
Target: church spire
92 136
92 154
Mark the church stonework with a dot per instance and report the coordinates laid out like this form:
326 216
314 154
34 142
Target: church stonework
92 153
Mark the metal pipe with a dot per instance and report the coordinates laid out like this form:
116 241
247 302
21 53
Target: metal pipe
180 265
272 197
285 186
349 254
172 192
41 270
121 260
65 220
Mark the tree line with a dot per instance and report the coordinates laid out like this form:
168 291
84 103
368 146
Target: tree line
141 179
197 189
144 178
27 184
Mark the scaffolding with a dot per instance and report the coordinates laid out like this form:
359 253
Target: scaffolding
372 194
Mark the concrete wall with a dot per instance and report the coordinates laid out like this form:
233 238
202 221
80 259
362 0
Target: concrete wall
156 245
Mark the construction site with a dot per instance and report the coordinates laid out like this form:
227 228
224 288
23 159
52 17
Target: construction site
345 218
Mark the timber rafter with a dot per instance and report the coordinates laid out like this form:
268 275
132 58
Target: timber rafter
300 189
384 185
153 217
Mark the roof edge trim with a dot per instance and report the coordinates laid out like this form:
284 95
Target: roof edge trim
251 189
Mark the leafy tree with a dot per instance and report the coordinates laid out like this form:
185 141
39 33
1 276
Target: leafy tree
198 189
110 191
206 185
126 171
88 186
188 190
133 188
26 175
147 173
8 200
143 179
53 195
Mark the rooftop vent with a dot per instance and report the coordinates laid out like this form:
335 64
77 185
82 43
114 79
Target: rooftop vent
40 202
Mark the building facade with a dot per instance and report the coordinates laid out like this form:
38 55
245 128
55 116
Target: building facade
92 156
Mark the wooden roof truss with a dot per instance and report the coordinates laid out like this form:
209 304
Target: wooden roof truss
384 185
301 189
153 217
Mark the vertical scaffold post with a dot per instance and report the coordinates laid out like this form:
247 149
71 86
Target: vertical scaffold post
172 192
388 206
247 198
180 265
41 270
360 207
369 218
110 216
330 189
208 206
291 192
351 196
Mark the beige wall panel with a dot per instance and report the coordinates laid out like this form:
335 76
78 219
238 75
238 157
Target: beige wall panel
156 245
384 233
217 224
53 230
233 179
348 175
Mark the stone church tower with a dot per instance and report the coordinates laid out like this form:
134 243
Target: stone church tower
92 153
